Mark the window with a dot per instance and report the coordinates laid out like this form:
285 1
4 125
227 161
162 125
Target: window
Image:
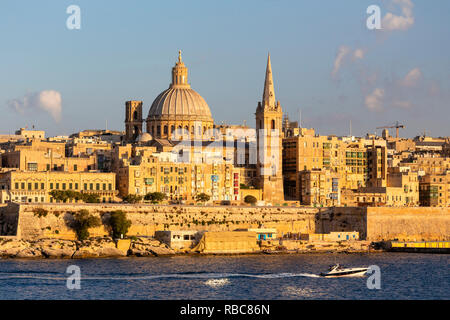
42 186
75 167
36 186
32 167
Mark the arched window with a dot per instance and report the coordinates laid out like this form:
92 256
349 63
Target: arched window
166 130
158 130
135 115
273 125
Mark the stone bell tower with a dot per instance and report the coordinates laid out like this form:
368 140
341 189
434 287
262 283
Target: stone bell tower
269 117
133 120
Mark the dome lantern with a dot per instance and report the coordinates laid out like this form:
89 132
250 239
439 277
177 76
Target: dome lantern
180 74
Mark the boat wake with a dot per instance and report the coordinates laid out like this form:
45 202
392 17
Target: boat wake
198 275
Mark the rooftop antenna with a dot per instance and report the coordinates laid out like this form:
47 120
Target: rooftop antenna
299 117
350 127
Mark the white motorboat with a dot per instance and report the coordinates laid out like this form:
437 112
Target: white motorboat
336 271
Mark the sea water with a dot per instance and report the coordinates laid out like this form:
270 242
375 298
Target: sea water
266 277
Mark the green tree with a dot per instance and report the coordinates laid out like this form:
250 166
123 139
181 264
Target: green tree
119 223
155 197
65 195
202 197
83 220
132 198
250 199
90 198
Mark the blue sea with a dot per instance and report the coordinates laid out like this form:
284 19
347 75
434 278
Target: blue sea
262 277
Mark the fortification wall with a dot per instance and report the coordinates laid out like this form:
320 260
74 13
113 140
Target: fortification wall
408 224
9 219
373 224
147 219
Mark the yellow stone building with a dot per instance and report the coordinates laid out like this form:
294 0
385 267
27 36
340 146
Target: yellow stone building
434 190
143 170
356 163
319 187
38 156
178 115
34 187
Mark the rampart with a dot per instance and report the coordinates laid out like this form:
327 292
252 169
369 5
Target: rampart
30 221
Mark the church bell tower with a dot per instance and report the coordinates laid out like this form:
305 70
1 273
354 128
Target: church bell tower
133 120
269 117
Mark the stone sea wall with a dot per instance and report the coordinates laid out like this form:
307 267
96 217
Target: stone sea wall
388 223
31 222
146 219
408 224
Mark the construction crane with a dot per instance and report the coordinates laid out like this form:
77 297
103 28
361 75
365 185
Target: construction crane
397 126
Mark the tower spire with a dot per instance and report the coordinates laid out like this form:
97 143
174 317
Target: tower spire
269 92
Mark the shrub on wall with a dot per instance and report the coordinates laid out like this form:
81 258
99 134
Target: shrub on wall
83 220
250 199
40 212
119 224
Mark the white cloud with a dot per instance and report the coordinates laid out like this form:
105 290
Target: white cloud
341 57
339 60
374 101
412 78
403 22
358 54
48 100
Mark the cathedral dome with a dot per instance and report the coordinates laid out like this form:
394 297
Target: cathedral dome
179 107
180 104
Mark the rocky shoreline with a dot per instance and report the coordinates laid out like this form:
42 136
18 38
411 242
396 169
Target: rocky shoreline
106 247
93 248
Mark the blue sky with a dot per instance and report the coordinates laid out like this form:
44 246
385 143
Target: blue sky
325 61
